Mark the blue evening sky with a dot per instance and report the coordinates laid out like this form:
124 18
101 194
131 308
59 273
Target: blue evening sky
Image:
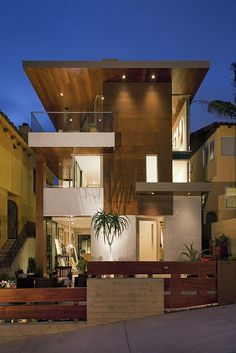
124 29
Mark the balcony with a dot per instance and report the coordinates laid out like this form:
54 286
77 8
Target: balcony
58 201
72 129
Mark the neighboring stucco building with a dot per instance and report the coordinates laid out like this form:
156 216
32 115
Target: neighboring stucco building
116 136
17 194
214 160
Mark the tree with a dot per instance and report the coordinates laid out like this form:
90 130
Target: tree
222 108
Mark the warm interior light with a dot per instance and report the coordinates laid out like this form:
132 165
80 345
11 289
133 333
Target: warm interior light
61 94
152 193
123 77
188 193
153 76
70 119
59 163
102 98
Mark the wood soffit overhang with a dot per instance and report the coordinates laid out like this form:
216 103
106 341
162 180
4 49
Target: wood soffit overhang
81 81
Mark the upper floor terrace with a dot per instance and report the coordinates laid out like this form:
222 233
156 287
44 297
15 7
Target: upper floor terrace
72 129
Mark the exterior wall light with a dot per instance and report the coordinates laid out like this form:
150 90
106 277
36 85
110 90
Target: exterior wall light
123 77
153 77
61 94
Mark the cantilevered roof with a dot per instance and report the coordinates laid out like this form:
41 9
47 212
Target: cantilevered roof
81 81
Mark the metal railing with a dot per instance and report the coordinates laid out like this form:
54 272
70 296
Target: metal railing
71 121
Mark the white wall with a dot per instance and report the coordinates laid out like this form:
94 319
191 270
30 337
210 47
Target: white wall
183 227
72 201
122 249
71 139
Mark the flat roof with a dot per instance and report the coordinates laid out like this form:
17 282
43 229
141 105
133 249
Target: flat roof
117 64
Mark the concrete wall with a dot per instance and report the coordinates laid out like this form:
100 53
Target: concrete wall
122 249
183 227
118 299
72 201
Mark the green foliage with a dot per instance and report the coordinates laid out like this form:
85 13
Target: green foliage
220 240
82 265
110 224
31 265
192 254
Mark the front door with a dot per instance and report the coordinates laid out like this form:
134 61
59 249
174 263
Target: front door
147 240
12 219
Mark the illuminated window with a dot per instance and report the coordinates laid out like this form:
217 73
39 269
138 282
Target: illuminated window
212 150
180 171
230 198
151 169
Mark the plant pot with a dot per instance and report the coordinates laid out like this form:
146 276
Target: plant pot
81 280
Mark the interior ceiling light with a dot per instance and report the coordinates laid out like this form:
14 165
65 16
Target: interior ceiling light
123 77
188 193
60 163
61 94
153 76
70 119
102 98
152 193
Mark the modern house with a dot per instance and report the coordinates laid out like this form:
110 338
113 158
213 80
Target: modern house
17 196
115 134
214 160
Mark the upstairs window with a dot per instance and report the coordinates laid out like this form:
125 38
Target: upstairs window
151 168
230 198
228 146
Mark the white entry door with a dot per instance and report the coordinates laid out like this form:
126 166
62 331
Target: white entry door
147 241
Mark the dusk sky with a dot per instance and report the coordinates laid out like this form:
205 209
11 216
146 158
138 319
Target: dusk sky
124 29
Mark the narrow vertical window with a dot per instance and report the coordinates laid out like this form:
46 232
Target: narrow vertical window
151 169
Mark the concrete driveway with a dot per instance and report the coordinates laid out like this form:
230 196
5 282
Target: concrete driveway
209 330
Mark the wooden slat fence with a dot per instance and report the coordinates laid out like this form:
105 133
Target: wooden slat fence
186 283
43 303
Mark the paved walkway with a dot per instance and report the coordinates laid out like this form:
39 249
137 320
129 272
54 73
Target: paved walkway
210 330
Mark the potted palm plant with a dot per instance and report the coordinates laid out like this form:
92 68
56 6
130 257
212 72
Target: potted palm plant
110 224
220 245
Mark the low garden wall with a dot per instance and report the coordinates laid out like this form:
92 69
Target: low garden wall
116 299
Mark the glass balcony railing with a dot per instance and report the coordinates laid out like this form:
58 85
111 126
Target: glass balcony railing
72 121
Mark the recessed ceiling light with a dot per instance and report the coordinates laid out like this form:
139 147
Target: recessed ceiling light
153 76
61 94
123 77
152 193
188 193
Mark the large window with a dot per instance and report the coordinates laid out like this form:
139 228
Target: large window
151 168
180 171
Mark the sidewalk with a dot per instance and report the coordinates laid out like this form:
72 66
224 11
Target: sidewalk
210 330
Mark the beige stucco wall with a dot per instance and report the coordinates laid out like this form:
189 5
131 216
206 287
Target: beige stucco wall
227 227
183 227
119 299
221 171
16 178
21 260
122 248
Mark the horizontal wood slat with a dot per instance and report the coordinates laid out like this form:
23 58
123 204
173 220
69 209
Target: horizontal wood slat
181 301
43 312
26 303
151 267
42 295
187 284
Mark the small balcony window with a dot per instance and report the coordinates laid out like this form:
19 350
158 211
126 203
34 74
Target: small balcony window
230 198
151 168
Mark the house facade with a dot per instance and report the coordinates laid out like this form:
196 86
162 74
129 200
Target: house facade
116 137
214 160
17 195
